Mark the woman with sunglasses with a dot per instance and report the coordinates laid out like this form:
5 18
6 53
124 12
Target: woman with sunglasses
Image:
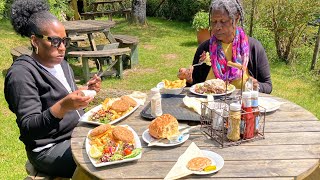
41 91
229 50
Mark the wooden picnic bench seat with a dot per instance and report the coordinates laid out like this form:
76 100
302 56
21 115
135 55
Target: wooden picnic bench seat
84 55
92 15
132 43
18 51
34 174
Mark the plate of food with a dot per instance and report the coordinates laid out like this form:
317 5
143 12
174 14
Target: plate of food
107 145
111 111
268 104
211 162
214 87
164 131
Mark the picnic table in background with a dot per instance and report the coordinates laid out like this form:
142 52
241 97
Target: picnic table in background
107 7
111 48
290 150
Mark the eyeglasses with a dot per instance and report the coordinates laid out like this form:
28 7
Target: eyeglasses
56 41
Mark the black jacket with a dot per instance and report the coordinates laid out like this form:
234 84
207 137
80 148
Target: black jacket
30 91
258 65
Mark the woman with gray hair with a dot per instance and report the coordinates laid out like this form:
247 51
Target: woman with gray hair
228 49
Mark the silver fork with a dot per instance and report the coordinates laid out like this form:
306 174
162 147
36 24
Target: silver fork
198 64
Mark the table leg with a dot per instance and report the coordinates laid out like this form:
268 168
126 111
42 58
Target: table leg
119 66
79 173
109 36
85 68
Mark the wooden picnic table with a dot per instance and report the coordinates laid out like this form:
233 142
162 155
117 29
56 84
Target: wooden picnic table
111 48
290 150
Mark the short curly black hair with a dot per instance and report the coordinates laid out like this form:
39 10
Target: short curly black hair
30 16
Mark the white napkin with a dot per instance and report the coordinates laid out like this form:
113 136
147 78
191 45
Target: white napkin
180 169
140 97
193 103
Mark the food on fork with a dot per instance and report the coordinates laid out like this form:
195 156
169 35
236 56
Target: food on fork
164 126
198 163
122 134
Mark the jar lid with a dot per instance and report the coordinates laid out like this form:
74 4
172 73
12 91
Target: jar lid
254 94
235 107
155 90
246 94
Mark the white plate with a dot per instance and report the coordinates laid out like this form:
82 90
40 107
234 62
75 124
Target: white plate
136 145
192 89
86 116
269 104
213 157
148 138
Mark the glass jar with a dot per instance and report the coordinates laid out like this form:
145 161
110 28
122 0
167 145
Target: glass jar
156 108
234 119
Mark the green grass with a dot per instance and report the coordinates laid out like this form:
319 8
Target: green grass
164 47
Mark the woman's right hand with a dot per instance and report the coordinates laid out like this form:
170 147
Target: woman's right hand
73 101
186 73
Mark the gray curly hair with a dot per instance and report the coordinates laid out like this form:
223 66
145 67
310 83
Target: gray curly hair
233 7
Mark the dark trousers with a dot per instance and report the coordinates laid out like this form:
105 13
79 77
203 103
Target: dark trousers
54 161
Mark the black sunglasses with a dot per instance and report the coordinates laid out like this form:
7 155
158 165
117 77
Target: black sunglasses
56 41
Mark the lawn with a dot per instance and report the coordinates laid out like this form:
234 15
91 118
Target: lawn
164 47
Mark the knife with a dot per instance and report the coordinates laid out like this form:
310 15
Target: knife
167 141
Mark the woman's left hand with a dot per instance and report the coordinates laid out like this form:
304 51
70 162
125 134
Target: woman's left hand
94 83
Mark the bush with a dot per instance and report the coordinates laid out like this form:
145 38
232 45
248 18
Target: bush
181 10
201 20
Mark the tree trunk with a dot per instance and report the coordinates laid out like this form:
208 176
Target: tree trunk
139 11
316 51
75 9
253 5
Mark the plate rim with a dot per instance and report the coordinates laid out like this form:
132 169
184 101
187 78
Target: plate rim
186 137
84 117
228 92
205 154
137 144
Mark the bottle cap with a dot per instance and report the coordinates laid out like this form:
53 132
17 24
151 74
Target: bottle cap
235 107
246 94
154 90
254 94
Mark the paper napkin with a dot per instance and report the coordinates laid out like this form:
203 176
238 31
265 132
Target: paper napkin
180 169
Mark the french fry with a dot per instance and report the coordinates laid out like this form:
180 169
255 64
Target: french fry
174 84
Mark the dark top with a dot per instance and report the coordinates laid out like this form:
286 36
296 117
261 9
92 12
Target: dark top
258 65
30 91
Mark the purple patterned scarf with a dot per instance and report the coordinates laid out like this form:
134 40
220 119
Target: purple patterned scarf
240 55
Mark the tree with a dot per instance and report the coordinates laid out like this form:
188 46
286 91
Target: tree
287 19
139 11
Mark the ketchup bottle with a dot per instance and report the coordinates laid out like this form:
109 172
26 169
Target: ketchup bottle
247 116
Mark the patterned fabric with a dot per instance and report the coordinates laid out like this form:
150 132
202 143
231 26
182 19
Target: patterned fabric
240 55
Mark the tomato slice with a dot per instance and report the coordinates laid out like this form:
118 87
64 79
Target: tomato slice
127 151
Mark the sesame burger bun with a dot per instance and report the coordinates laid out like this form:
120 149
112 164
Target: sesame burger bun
129 100
198 163
123 134
99 131
120 105
164 126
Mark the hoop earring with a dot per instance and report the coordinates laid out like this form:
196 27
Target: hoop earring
37 50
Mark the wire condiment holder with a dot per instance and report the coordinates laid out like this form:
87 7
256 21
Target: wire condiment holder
215 117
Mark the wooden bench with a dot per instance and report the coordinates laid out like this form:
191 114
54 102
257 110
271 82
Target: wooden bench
84 55
34 174
18 51
132 43
92 15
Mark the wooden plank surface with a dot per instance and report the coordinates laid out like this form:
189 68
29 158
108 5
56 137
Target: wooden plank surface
102 53
85 26
290 150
